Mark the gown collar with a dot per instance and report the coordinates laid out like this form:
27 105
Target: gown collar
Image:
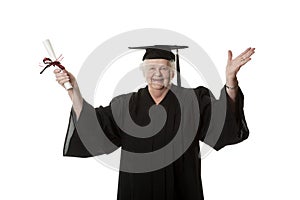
152 100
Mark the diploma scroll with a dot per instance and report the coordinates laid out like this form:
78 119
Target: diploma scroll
51 53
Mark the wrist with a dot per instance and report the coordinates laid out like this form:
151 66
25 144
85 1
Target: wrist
232 82
231 87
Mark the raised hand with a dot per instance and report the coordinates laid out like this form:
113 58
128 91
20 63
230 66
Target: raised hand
234 65
232 68
63 76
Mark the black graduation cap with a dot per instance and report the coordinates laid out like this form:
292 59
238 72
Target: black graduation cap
164 52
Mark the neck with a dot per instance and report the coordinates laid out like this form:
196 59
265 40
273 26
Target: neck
158 94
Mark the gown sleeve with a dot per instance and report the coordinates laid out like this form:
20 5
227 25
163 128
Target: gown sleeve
85 137
219 124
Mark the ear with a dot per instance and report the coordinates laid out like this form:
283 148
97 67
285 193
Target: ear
172 74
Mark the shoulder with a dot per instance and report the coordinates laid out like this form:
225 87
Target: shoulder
129 96
201 90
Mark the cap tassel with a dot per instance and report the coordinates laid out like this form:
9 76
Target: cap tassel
178 69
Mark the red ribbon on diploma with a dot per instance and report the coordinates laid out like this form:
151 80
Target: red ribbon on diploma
49 63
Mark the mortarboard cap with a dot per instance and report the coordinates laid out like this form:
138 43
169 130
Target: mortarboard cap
163 52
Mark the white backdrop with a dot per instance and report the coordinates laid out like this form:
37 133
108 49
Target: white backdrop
35 109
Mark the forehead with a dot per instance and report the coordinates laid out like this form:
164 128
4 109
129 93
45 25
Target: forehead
156 61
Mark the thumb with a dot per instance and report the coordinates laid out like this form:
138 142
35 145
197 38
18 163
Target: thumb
229 56
56 71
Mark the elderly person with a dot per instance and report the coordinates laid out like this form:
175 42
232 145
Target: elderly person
180 179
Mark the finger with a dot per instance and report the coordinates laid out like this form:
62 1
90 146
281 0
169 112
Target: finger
58 75
67 73
244 52
62 80
244 62
249 53
59 78
56 71
229 56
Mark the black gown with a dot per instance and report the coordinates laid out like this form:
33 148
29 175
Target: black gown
179 180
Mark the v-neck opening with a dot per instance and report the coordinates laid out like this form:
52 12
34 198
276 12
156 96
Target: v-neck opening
162 99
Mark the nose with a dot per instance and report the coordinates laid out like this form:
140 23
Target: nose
157 71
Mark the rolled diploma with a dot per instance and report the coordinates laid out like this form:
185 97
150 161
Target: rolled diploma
51 53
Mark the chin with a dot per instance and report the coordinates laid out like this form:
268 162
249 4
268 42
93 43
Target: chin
156 86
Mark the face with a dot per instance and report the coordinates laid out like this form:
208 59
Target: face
158 73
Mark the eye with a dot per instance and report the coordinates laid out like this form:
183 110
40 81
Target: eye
165 68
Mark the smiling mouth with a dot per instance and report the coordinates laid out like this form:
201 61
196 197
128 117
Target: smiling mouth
157 79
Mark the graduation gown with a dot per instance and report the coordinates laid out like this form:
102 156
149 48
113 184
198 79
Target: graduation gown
179 180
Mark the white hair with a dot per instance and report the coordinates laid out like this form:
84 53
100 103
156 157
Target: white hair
172 65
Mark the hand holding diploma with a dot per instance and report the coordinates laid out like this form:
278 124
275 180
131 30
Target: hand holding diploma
64 78
53 61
